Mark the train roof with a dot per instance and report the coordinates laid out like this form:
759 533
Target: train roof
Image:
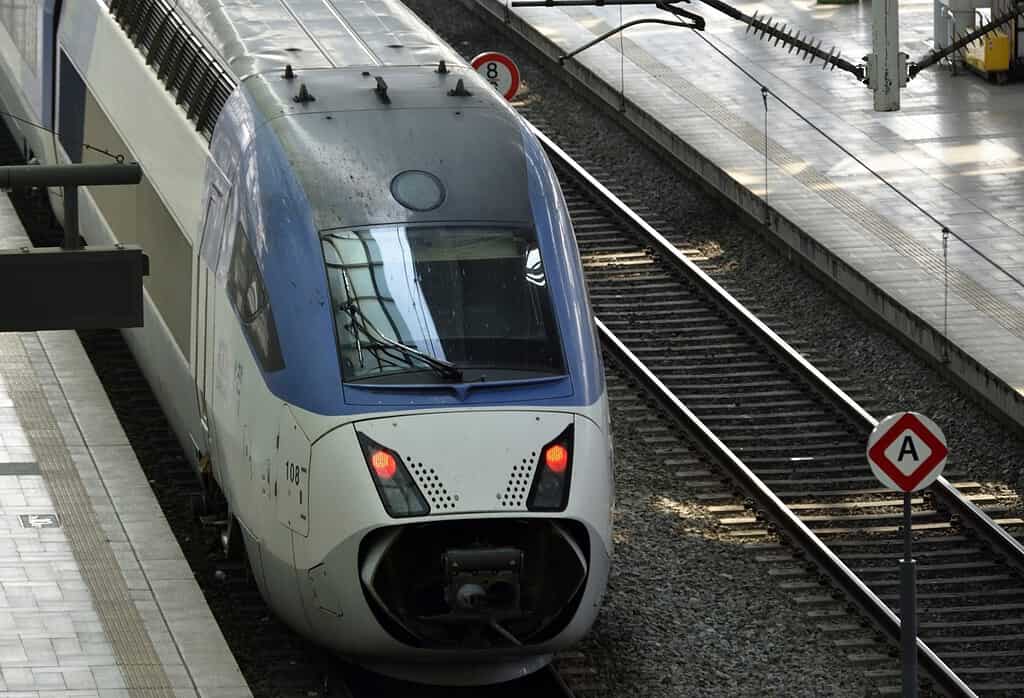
257 36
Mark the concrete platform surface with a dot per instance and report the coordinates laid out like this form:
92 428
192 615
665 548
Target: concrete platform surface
956 148
96 598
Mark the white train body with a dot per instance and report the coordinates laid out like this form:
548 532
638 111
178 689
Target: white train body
432 499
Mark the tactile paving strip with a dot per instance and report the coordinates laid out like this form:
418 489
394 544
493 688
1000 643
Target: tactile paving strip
869 219
137 659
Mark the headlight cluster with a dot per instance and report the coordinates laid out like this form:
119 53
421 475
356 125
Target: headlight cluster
397 490
401 497
550 488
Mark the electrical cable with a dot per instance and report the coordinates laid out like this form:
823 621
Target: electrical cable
945 229
119 159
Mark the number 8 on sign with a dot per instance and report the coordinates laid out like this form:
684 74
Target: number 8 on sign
499 70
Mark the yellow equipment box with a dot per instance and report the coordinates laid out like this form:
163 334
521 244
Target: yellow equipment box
991 54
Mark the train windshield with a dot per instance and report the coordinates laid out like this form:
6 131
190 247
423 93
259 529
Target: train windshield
428 304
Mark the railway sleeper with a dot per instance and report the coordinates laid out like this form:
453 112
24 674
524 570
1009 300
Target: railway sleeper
920 554
775 440
746 422
874 492
669 329
1000 641
720 350
784 417
995 655
929 570
848 456
981 607
1003 580
939 628
895 501
800 452
690 391
615 305
818 485
926 516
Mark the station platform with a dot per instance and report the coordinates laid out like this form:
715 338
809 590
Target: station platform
96 597
956 148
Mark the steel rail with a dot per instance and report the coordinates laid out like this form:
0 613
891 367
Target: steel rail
559 682
784 518
994 534
753 486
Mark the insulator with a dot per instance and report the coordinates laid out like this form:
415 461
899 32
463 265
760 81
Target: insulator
831 51
816 48
807 47
782 33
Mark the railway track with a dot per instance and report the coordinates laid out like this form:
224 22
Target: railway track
794 444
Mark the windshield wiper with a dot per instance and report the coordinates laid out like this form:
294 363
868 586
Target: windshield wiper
445 369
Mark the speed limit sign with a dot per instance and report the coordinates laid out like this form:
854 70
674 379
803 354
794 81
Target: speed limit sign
499 70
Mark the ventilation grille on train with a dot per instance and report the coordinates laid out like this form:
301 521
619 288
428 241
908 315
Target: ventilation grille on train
430 484
518 485
188 71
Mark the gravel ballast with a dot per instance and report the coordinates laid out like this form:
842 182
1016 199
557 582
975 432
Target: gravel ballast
690 612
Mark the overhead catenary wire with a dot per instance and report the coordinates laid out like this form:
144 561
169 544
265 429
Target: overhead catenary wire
119 158
899 192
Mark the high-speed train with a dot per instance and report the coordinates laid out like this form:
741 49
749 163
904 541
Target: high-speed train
366 316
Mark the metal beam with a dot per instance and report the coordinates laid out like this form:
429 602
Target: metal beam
13 176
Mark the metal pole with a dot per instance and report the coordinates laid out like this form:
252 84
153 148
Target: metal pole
71 239
908 606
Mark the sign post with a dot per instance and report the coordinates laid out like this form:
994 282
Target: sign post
907 452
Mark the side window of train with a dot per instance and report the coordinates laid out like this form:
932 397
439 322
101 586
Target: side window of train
248 295
71 109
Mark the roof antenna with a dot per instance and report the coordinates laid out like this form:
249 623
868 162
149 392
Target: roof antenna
382 90
442 67
303 95
460 90
289 74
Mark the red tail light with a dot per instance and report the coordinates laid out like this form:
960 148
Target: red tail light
556 457
383 464
398 491
550 488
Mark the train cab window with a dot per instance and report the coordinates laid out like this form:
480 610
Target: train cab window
411 303
248 295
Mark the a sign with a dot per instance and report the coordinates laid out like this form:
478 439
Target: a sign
499 70
907 451
39 520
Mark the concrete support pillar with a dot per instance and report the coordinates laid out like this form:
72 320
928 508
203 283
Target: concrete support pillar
940 25
963 13
885 62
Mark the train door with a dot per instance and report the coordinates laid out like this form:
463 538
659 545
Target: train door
203 312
